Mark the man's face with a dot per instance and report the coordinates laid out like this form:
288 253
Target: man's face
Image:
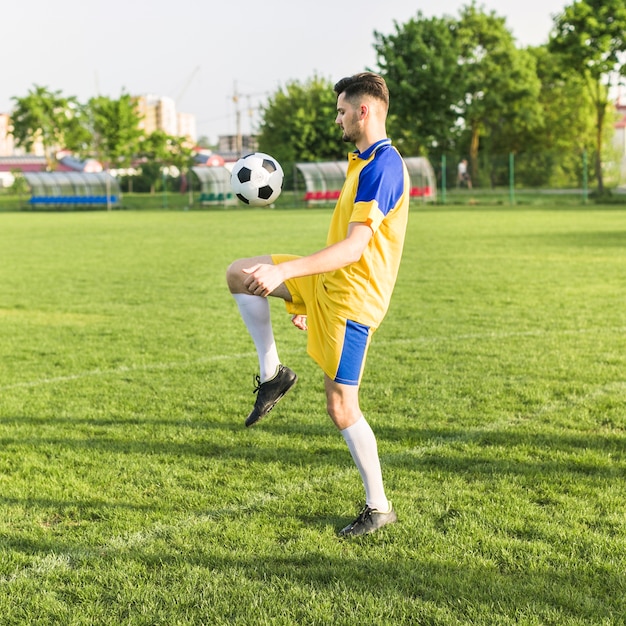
348 119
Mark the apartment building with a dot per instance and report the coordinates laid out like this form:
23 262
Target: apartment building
159 113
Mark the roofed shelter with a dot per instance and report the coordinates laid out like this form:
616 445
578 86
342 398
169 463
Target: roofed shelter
323 180
73 189
215 186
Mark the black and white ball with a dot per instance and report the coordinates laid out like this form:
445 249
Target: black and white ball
257 179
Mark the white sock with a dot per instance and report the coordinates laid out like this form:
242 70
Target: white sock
255 312
364 450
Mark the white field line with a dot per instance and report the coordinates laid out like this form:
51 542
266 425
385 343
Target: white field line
41 565
124 369
146 536
489 336
255 502
469 434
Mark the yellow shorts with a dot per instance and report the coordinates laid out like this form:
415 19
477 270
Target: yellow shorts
337 344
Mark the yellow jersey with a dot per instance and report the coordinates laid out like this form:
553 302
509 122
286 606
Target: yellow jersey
376 193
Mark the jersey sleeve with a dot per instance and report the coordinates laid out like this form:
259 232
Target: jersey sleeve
380 188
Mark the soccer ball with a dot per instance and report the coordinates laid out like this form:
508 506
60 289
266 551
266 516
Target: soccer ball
257 179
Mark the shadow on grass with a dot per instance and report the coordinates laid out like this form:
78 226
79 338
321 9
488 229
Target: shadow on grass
468 588
400 565
319 444
472 589
152 436
492 452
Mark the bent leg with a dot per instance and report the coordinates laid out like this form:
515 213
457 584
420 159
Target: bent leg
255 313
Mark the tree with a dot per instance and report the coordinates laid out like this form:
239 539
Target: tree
567 130
590 35
420 64
115 129
458 81
161 150
500 82
299 124
48 117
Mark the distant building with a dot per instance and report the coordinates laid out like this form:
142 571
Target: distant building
187 126
6 139
8 148
231 147
166 116
159 113
146 107
27 163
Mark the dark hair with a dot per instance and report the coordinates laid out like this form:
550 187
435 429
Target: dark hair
363 84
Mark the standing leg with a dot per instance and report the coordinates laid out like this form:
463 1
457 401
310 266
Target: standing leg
343 408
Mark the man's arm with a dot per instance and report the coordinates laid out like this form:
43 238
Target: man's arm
263 278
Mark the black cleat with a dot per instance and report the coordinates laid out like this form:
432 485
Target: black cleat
270 392
368 521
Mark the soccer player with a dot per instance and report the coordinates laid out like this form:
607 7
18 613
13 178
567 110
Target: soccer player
339 294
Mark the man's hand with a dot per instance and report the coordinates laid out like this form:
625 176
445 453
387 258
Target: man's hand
299 321
262 279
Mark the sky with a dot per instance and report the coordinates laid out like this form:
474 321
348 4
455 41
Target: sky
203 53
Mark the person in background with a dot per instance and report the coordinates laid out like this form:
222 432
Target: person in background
463 177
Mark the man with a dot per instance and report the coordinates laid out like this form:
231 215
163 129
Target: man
463 177
341 293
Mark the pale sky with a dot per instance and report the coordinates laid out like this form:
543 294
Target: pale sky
201 52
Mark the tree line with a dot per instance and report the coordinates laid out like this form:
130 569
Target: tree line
460 86
103 128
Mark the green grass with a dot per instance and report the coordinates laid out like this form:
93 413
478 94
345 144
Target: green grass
131 493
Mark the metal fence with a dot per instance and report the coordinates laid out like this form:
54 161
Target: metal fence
567 172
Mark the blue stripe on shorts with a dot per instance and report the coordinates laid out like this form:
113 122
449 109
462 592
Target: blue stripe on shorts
353 353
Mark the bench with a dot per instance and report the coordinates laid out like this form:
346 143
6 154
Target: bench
73 200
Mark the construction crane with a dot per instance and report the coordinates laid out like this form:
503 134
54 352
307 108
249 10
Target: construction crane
184 88
236 98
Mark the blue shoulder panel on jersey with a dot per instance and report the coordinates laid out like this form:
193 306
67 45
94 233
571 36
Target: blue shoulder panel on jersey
382 179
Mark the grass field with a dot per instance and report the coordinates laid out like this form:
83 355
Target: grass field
131 493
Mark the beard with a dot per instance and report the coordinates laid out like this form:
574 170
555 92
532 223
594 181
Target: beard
350 136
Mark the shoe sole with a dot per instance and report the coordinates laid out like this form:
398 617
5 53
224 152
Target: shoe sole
250 422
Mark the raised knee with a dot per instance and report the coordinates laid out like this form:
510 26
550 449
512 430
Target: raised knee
233 277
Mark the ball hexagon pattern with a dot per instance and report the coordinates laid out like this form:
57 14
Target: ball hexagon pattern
257 179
